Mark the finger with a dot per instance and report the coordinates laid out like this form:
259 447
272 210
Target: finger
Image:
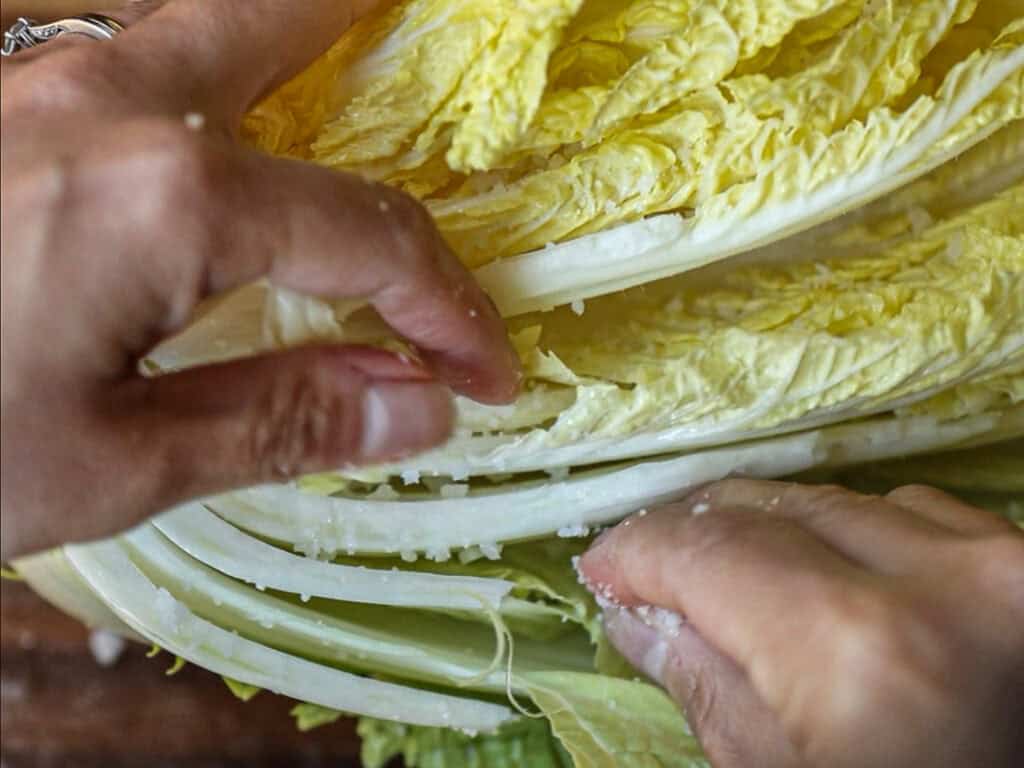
226 54
947 511
337 236
755 587
271 418
788 609
716 567
730 720
866 529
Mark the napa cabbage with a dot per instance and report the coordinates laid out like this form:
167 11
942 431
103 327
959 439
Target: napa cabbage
775 237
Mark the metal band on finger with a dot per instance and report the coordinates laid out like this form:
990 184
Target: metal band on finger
27 33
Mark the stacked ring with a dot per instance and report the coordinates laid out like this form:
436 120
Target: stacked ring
27 33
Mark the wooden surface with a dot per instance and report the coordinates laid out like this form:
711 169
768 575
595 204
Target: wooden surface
60 709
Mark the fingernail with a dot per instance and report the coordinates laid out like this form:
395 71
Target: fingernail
596 563
600 551
647 649
401 418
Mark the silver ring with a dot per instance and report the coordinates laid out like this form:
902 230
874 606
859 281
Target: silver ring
27 33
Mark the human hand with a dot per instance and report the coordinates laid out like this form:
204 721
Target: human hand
119 218
823 627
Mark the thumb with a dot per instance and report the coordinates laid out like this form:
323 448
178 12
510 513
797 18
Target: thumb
270 418
733 725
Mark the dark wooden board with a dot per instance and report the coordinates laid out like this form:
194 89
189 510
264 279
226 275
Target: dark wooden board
59 708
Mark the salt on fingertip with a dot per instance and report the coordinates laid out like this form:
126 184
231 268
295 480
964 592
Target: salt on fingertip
580 578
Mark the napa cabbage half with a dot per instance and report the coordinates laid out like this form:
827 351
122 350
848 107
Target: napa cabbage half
776 237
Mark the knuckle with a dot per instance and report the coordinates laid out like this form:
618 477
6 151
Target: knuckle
696 691
48 188
826 498
705 535
998 564
885 648
170 178
185 172
913 493
866 628
413 231
701 696
825 503
830 491
706 541
302 423
68 80
184 176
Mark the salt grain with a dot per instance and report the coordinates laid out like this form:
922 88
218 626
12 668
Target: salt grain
439 554
491 551
106 647
454 491
558 473
664 621
384 492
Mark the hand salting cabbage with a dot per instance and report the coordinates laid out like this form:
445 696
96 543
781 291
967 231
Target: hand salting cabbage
767 236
